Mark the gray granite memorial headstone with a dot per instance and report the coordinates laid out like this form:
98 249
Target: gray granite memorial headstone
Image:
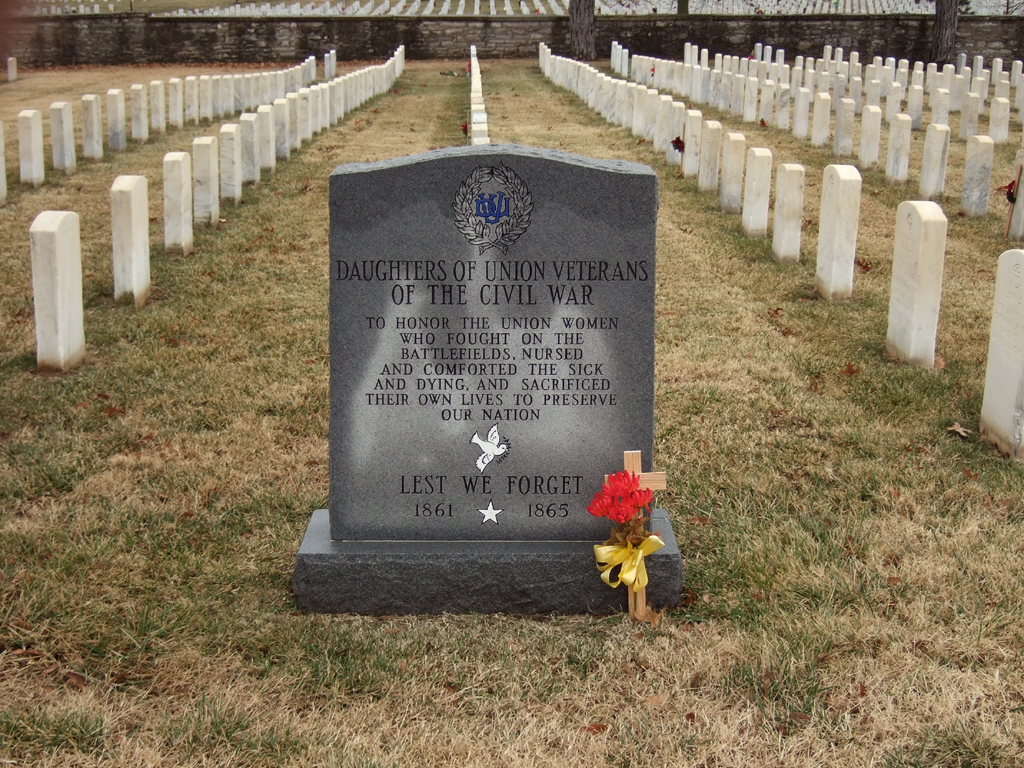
492 356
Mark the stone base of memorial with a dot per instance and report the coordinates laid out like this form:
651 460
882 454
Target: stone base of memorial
520 577
492 357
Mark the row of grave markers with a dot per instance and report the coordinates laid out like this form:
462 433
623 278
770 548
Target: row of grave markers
731 86
706 152
748 91
717 159
720 87
602 7
188 101
390 8
218 170
919 245
193 187
609 7
477 114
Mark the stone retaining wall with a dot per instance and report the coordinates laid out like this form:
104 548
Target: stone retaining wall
137 38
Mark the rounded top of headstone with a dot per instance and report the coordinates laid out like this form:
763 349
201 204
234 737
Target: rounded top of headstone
497 151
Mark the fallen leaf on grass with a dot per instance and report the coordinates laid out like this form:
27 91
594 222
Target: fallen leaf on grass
940 362
849 370
959 430
658 700
654 619
840 707
799 717
970 475
594 728
699 520
75 680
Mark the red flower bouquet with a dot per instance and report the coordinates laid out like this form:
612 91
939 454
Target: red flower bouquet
622 501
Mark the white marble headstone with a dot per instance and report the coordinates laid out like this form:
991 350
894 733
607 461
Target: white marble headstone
730 197
1002 408
919 251
57 290
30 146
789 212
837 231
129 219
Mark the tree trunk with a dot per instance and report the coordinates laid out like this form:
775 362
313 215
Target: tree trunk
944 32
582 30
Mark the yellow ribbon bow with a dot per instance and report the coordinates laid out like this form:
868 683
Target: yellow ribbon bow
633 571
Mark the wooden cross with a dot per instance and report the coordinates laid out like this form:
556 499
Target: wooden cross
656 481
639 610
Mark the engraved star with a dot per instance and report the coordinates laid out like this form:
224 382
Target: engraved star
490 513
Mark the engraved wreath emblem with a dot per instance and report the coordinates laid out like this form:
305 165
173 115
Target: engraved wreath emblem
493 219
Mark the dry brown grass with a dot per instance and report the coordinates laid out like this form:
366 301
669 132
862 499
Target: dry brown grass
854 568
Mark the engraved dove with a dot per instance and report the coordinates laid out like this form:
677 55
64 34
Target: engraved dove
491 447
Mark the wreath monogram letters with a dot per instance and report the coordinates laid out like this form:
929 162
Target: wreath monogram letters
492 208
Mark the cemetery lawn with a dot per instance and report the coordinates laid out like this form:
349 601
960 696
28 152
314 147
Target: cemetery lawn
853 548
